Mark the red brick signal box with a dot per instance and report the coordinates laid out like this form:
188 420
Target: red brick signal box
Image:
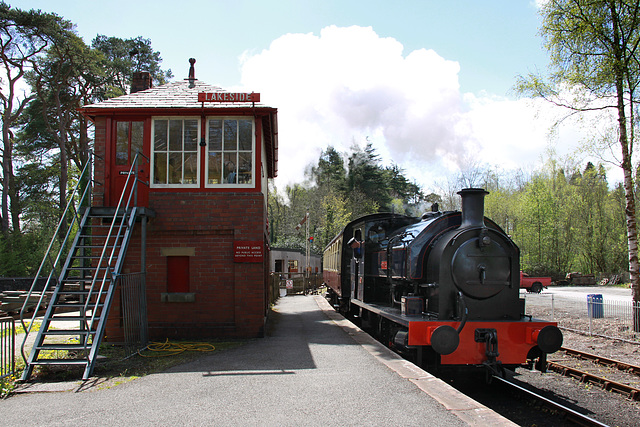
207 156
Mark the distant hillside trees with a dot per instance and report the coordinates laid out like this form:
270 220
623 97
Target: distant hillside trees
340 187
595 56
563 217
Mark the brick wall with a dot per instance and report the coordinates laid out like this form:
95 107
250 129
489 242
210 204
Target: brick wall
228 298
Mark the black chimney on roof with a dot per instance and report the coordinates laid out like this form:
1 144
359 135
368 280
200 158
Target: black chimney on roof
141 81
192 73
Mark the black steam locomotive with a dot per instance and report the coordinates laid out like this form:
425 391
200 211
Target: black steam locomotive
443 289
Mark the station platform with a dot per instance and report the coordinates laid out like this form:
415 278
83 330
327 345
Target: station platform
314 368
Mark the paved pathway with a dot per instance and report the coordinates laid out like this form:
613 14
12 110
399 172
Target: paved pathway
314 369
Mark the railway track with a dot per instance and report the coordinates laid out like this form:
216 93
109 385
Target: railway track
589 377
565 412
623 366
537 405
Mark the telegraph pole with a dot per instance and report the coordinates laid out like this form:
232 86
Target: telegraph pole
308 247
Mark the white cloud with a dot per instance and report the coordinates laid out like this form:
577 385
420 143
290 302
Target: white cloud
349 84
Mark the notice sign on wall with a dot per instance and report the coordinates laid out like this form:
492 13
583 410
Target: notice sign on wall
247 251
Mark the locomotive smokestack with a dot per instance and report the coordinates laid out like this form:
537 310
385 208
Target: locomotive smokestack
472 207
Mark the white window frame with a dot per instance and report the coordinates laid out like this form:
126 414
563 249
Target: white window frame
253 153
153 152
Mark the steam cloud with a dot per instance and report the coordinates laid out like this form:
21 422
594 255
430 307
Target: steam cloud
349 85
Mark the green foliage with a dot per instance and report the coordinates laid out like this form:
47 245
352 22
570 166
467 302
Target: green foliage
334 216
7 385
45 139
563 220
595 67
124 57
21 253
335 195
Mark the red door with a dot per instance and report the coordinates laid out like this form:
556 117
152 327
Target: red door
128 138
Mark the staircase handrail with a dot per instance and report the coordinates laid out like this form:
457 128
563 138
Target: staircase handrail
110 272
86 174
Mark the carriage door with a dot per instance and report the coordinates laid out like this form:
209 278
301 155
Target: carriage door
128 138
357 267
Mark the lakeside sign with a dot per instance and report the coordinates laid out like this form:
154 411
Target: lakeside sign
228 97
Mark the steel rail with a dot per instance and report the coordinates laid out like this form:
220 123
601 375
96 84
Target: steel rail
609 385
622 366
571 414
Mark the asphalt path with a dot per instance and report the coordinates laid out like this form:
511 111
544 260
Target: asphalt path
308 371
573 292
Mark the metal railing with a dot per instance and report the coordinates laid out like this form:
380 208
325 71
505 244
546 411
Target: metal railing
7 347
593 315
134 312
294 283
111 251
59 258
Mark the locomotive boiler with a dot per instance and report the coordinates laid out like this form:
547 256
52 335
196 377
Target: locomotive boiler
442 289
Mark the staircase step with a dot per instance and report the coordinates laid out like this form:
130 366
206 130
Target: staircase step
80 257
103 235
79 293
74 318
60 362
76 305
66 347
104 226
96 246
68 332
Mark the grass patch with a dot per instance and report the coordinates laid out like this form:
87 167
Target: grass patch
114 367
157 360
7 385
35 328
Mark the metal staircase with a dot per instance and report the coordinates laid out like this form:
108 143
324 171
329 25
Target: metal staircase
83 274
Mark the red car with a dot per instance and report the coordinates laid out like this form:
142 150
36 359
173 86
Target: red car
534 284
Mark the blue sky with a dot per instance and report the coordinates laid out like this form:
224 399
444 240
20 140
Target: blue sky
428 82
493 40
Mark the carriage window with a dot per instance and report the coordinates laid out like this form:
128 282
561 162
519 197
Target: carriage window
175 152
230 152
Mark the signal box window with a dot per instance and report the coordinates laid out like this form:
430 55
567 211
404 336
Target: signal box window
175 152
230 152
